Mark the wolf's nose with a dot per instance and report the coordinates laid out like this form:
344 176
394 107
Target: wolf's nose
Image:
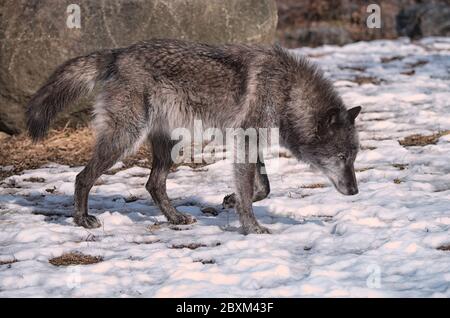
353 191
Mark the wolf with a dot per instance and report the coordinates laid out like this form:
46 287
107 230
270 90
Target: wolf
145 90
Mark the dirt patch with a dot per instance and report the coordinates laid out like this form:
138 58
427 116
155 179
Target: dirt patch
146 242
75 258
360 80
313 186
154 227
400 166
353 68
295 195
205 261
364 169
368 148
283 154
317 55
34 180
385 60
131 199
444 247
51 190
200 170
89 238
210 211
418 63
408 72
8 262
160 225
193 246
422 140
179 228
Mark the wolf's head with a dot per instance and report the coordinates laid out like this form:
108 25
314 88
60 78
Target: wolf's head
334 150
316 126
333 147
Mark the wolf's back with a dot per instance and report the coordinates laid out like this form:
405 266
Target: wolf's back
70 81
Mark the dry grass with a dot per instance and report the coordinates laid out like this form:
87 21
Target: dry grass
421 140
75 258
69 146
72 147
397 181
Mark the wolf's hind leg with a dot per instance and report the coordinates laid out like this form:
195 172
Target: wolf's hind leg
261 188
156 184
110 147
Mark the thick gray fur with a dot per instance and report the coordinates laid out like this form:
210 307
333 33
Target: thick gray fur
150 88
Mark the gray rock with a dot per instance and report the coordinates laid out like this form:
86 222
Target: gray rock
424 20
319 35
318 22
34 37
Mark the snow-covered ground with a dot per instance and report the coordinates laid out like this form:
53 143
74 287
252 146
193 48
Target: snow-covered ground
382 242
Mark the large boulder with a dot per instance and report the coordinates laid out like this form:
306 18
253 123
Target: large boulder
35 38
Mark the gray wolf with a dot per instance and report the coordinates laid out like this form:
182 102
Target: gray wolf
146 90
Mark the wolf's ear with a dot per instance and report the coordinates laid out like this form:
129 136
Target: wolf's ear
353 113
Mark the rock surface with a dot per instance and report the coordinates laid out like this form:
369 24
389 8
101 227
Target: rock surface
318 22
424 20
34 37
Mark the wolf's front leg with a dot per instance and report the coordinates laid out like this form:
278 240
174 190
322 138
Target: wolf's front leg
261 187
244 174
156 184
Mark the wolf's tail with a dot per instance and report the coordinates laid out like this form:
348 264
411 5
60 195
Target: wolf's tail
70 81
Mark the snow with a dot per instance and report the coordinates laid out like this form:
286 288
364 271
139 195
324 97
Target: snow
381 242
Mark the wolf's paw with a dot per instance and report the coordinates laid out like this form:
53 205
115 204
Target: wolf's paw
254 229
182 219
229 201
88 221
